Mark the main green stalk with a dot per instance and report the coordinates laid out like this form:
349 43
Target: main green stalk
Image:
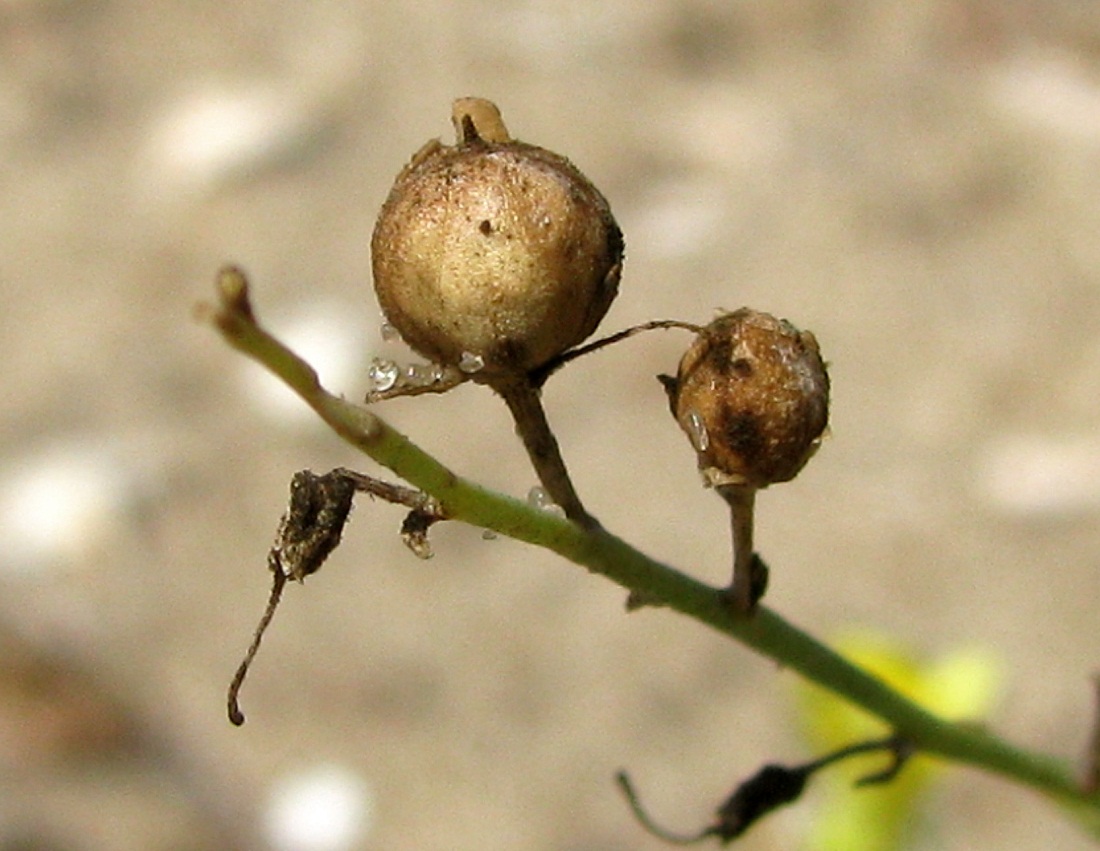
647 580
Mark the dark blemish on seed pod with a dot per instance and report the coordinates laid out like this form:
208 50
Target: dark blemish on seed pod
742 432
742 367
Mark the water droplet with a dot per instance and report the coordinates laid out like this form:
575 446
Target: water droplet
538 498
471 362
435 372
383 374
389 333
697 431
419 375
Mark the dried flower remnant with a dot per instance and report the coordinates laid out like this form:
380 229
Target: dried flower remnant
310 530
772 787
752 395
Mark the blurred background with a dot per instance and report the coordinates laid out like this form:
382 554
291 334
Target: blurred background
918 183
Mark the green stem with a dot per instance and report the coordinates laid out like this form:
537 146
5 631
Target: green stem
647 579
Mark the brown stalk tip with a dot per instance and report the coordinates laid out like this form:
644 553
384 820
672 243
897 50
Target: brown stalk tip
752 394
493 255
232 286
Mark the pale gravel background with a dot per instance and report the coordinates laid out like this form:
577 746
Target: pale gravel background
917 183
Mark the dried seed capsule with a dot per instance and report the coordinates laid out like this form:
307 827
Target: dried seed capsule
752 394
494 251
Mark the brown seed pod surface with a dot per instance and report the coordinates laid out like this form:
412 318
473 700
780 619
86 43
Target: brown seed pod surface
752 394
494 255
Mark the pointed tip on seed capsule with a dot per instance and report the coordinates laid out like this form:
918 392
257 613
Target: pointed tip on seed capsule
752 394
495 249
477 119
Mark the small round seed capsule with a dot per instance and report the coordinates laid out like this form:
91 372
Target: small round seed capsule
752 394
494 251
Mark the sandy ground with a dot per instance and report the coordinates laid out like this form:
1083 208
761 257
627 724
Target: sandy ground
919 183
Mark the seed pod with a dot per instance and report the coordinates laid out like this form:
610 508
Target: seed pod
493 255
752 394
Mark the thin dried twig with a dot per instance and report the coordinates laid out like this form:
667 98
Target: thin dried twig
540 375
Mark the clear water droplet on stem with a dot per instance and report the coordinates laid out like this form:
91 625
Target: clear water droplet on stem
418 375
383 374
538 498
